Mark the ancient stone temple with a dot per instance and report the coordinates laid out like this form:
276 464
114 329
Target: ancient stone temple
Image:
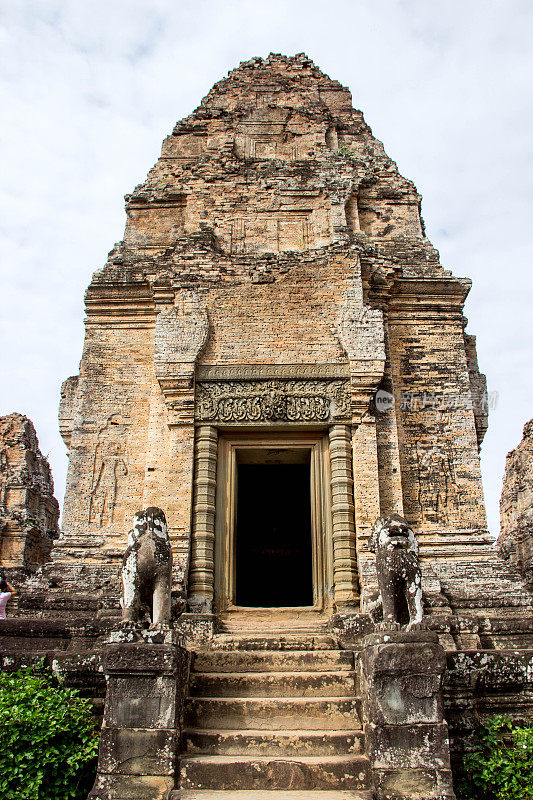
275 356
274 360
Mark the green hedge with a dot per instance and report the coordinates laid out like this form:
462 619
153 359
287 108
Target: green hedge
48 738
501 767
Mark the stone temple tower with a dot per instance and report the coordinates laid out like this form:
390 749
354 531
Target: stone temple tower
275 356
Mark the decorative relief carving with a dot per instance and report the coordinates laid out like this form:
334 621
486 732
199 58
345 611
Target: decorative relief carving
360 328
109 470
248 372
436 482
361 332
272 401
180 333
362 337
436 486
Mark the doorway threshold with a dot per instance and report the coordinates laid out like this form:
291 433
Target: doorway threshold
274 621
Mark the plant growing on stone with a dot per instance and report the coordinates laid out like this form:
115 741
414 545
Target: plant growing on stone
345 150
501 767
48 738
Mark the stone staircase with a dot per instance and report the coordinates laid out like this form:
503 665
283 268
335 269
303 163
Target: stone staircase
273 718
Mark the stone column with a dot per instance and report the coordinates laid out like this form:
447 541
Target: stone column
405 732
202 569
343 518
139 741
367 501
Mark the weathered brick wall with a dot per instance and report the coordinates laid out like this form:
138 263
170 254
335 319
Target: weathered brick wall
437 438
288 320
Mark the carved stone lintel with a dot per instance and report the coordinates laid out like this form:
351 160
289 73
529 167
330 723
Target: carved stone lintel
238 402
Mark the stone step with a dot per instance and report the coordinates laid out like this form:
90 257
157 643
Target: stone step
273 743
282 629
273 684
273 661
261 640
233 772
273 794
269 713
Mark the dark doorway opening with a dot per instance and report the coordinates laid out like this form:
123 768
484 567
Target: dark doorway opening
273 557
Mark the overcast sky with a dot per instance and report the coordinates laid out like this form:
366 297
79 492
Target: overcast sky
89 88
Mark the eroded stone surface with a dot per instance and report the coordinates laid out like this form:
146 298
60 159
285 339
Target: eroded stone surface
146 687
398 571
406 735
147 570
515 542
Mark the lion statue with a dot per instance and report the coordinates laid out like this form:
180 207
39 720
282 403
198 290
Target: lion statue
398 572
147 569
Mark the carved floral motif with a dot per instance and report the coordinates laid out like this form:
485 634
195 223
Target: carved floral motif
272 401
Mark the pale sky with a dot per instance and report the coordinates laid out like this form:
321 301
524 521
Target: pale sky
89 88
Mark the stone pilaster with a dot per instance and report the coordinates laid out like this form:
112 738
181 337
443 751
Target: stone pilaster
343 518
367 499
202 570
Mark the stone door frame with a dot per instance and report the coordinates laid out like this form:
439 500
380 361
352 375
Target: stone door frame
335 489
230 443
268 402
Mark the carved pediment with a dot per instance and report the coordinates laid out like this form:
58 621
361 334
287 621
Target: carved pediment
180 335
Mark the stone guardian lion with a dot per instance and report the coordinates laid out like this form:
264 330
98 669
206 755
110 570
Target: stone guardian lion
147 569
398 572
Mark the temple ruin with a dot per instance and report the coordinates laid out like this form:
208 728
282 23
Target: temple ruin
275 358
29 512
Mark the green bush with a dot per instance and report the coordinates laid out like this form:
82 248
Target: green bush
501 767
48 738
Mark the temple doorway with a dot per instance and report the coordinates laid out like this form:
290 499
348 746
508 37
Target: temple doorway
273 546
274 552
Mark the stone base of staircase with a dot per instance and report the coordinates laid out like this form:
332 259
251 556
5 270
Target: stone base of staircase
206 794
275 717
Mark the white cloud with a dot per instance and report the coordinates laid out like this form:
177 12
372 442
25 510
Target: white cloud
89 88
